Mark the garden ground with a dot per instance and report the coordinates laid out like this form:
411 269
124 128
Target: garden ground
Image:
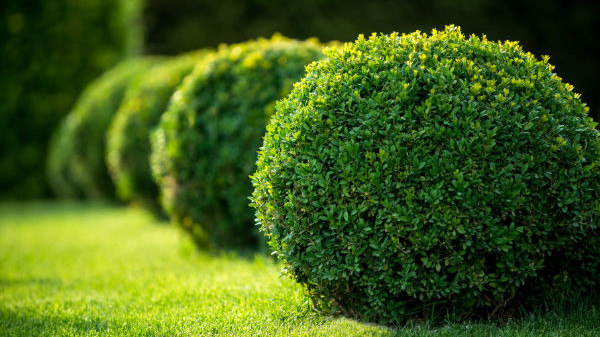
71 269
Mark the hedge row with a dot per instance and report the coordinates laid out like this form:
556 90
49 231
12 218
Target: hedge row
400 175
76 160
206 142
128 138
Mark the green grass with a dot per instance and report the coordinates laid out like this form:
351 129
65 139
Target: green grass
97 270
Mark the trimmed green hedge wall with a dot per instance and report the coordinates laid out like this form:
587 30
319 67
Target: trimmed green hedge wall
407 173
50 51
128 138
206 144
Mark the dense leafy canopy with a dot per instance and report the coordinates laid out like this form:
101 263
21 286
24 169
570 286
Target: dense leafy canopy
50 50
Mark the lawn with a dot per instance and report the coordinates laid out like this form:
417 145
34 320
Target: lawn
70 269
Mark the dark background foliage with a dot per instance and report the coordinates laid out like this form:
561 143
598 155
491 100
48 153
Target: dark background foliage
567 30
49 50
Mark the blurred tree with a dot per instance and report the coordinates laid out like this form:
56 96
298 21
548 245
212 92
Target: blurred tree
49 50
567 30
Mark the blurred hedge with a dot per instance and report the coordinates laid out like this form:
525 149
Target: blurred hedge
128 135
76 160
567 30
49 51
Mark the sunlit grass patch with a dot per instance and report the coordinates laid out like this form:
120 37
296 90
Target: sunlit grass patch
98 270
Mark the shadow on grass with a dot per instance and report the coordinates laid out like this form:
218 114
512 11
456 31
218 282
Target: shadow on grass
567 312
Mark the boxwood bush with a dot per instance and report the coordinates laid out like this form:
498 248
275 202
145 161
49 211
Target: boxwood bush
205 146
128 137
79 153
411 173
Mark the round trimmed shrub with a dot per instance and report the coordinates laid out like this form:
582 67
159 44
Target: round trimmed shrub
205 146
412 173
82 148
128 137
